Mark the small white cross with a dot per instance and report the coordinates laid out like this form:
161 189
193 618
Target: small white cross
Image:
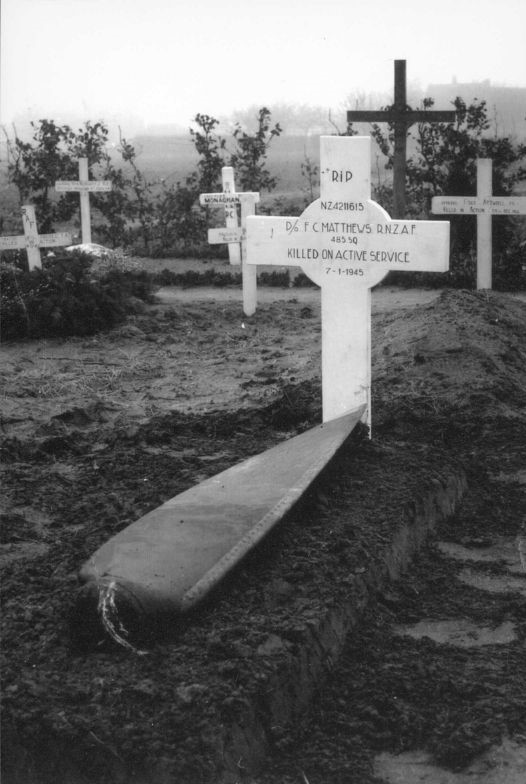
483 205
31 240
346 243
84 186
234 234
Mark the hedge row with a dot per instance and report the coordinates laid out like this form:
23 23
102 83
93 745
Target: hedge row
65 299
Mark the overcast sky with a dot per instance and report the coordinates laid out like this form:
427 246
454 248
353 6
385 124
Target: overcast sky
165 60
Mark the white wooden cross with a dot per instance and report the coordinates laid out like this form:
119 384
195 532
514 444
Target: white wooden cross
234 234
31 240
483 205
346 243
84 186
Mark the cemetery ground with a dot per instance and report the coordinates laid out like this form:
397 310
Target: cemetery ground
99 430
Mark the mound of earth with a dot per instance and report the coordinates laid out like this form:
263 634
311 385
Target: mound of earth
99 431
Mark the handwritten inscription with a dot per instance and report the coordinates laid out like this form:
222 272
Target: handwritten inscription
473 205
346 244
86 186
219 198
226 198
341 175
361 242
31 240
226 235
348 206
12 242
330 227
344 236
306 254
336 234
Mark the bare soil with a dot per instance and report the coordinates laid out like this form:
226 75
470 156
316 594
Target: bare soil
98 431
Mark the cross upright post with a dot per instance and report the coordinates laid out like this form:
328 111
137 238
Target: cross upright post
346 243
31 241
231 217
401 117
84 186
235 235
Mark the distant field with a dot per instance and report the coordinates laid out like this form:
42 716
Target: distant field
174 157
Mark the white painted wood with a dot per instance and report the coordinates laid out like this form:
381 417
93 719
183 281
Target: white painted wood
84 187
233 234
220 199
29 222
473 205
346 350
484 233
484 206
346 243
54 240
225 235
85 220
345 172
12 242
231 217
249 271
35 241
31 240
93 186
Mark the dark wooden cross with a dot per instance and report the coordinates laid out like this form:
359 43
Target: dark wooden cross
401 116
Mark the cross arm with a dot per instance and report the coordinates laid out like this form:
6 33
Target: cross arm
407 117
225 198
277 240
315 244
434 115
90 186
13 242
380 115
54 240
478 205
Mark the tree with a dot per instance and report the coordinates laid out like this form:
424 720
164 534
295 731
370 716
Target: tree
249 157
141 208
35 166
53 153
209 146
310 171
179 214
444 162
164 218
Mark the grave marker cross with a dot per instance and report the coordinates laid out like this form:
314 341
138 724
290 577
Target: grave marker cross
484 205
234 235
84 186
31 240
346 243
401 117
